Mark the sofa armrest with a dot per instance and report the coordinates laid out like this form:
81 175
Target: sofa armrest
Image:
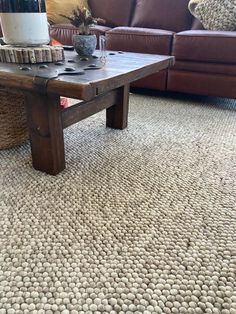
205 46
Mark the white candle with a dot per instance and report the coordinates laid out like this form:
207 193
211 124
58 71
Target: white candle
24 23
25 28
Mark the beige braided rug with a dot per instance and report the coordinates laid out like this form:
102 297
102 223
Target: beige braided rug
141 221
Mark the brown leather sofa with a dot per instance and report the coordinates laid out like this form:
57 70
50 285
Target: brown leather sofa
205 60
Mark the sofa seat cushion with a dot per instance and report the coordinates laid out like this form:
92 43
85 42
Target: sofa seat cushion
162 14
206 46
141 40
115 13
64 32
205 67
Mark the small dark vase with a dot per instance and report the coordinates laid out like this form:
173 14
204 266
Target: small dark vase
84 45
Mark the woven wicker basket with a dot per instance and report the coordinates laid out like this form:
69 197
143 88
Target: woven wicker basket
12 119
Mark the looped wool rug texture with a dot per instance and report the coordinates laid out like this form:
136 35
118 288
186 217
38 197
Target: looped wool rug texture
142 220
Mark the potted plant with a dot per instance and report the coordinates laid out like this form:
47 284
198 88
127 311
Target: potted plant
84 42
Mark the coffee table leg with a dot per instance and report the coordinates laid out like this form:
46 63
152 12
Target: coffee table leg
46 132
117 115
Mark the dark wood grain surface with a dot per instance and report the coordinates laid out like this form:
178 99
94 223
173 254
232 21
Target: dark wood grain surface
120 69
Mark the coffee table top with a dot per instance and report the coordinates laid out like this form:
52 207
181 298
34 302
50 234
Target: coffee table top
121 68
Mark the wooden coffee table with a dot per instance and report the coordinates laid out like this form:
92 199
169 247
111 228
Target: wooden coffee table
98 88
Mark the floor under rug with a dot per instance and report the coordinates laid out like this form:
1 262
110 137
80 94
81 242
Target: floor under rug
141 221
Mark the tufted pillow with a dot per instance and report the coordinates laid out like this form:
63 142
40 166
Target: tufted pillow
56 7
215 14
172 15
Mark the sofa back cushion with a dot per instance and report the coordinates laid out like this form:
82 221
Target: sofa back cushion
170 15
114 12
196 24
